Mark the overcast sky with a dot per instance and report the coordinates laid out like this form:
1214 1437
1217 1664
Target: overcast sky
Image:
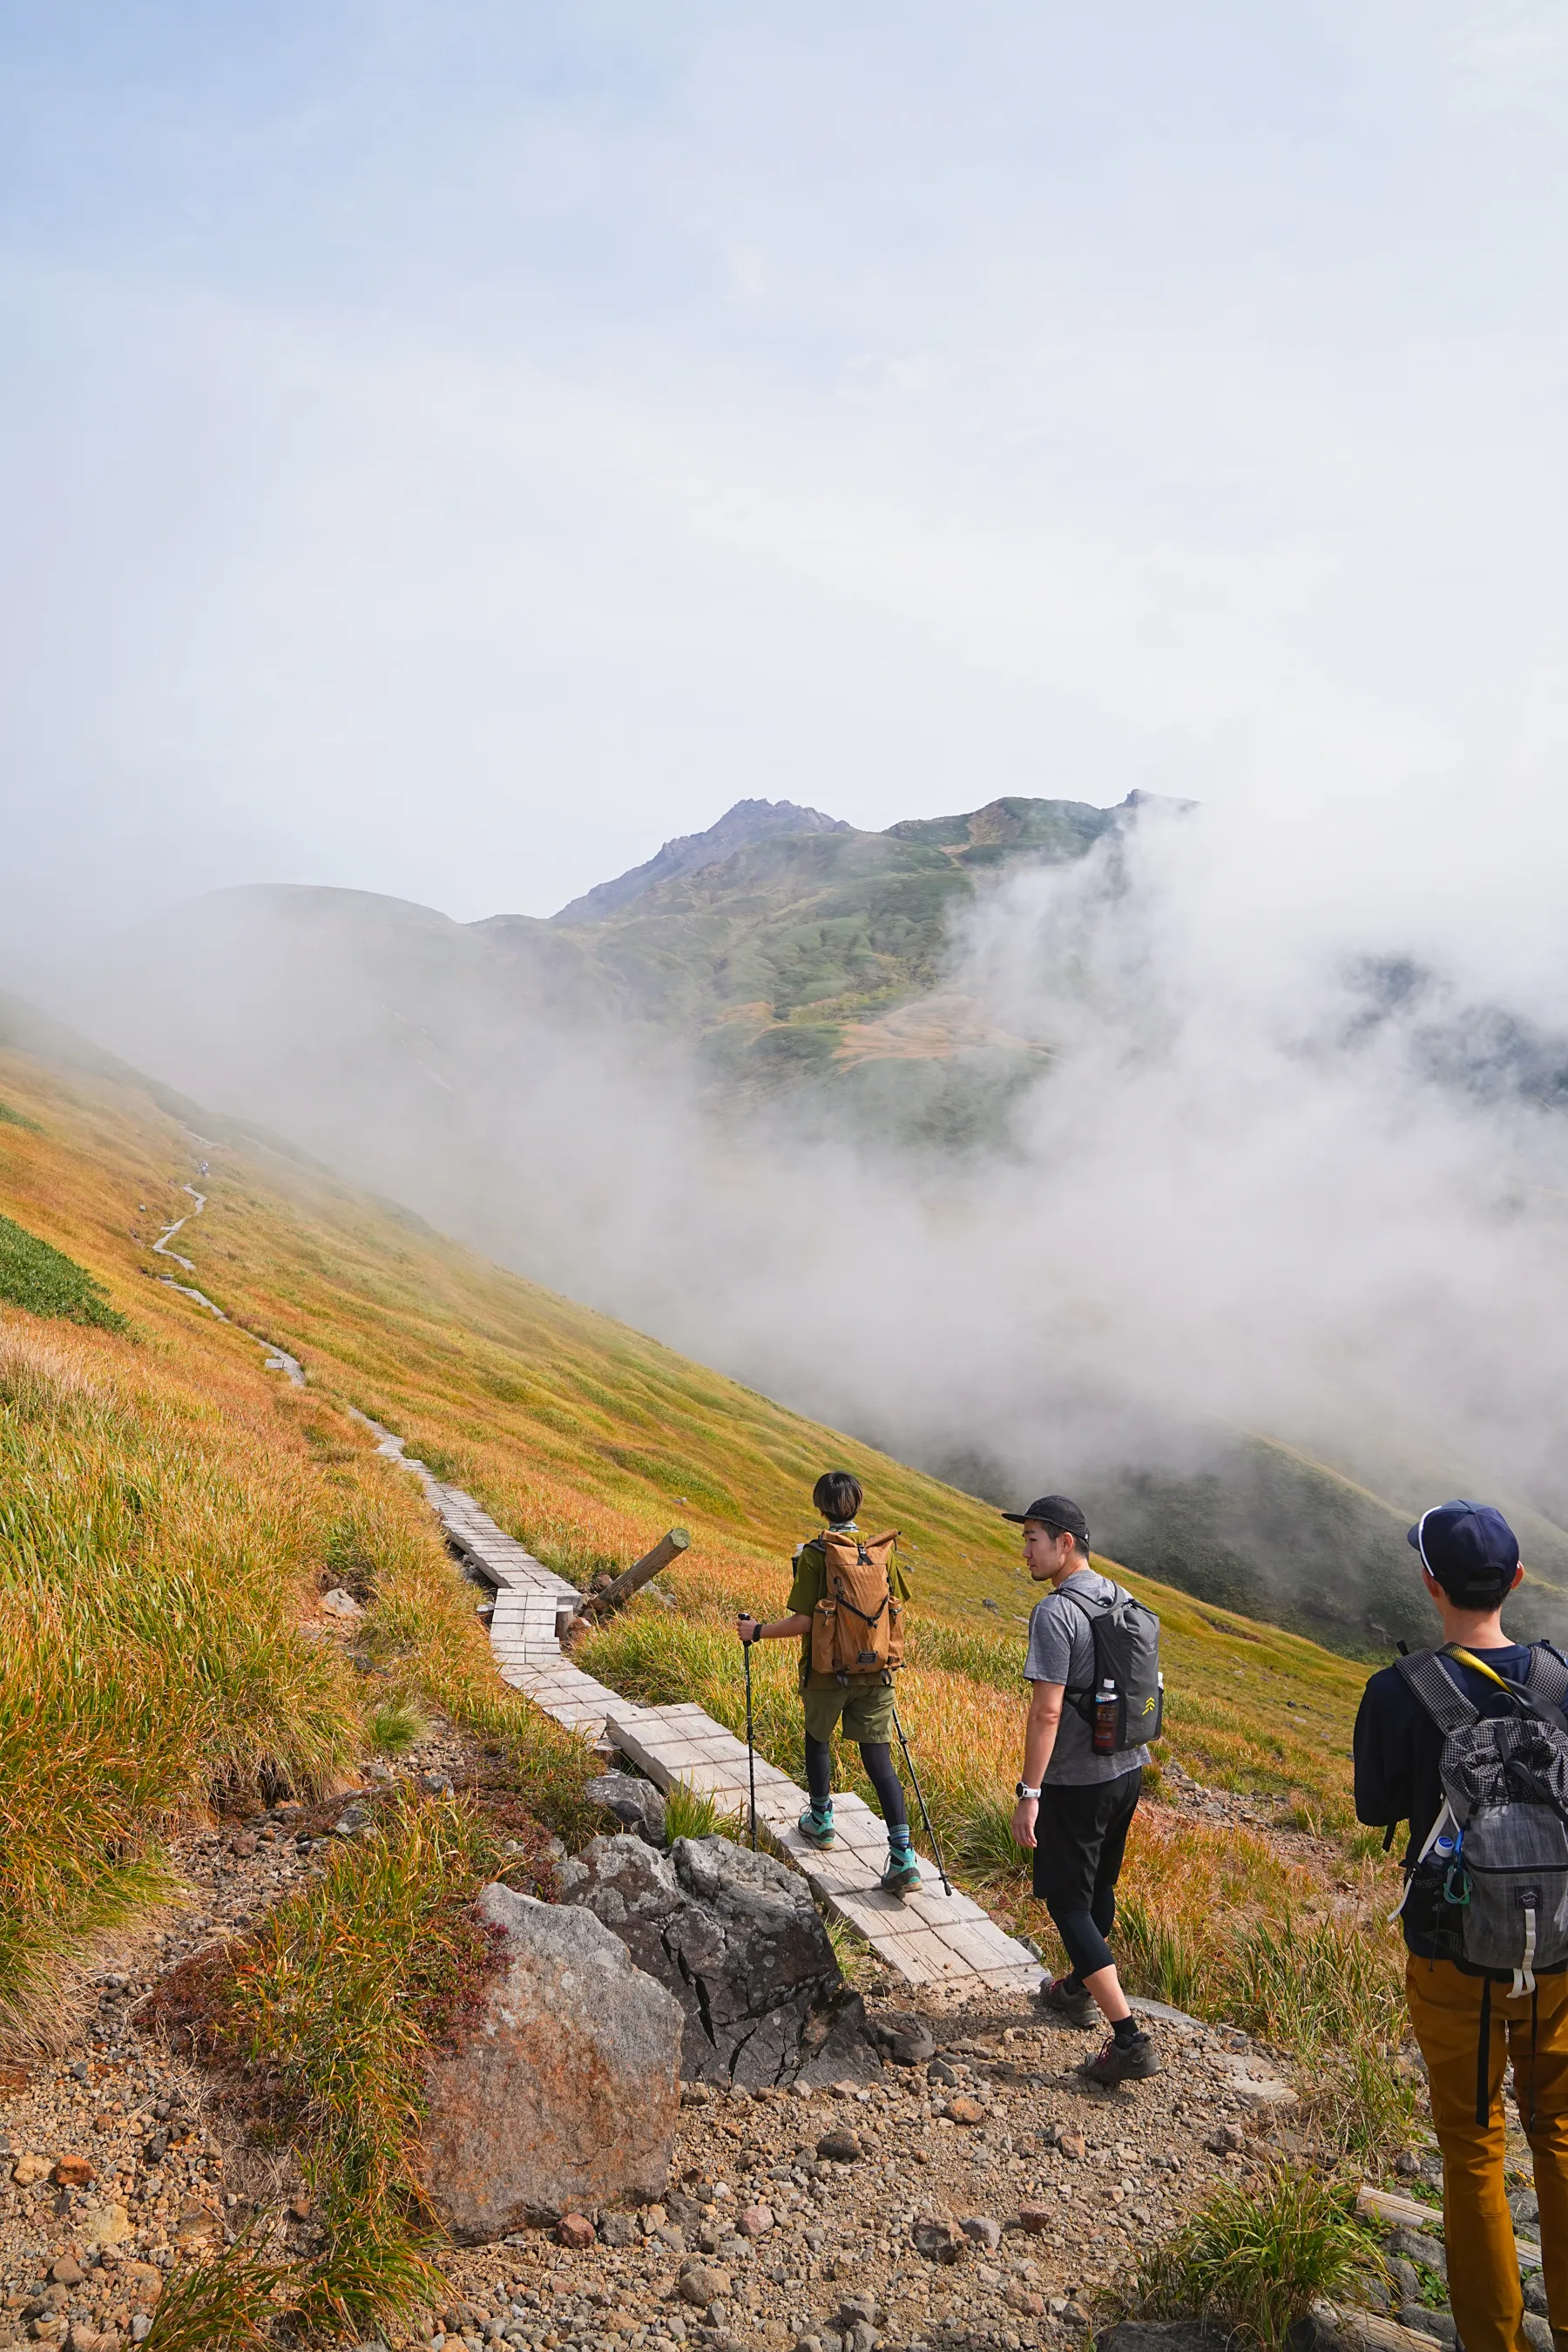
447 449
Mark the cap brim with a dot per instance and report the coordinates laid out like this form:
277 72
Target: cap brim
1413 1537
1020 1518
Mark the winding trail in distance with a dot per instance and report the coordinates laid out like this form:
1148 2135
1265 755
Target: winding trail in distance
278 1360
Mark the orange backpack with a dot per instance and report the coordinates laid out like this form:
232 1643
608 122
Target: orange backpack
857 1627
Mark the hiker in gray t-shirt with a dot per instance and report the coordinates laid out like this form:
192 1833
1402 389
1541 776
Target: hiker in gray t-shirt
1075 1808
1061 1650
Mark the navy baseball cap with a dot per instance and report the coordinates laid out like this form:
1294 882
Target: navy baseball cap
1054 1511
1468 1548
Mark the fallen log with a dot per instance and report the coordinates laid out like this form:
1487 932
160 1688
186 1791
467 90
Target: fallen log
1385 2207
614 1595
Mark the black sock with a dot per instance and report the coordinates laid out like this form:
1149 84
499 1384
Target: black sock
1072 1983
1125 2030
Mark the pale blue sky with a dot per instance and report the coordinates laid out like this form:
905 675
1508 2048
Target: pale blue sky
446 449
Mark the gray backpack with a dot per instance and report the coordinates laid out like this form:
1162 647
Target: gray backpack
1500 1842
1127 1655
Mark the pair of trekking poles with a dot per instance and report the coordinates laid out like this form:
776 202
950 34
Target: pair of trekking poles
904 1743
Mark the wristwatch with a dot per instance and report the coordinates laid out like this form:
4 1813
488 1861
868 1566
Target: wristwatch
1023 1790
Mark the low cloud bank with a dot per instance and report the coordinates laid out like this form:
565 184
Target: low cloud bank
1279 1178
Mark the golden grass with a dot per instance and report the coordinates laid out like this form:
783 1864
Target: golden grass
163 1490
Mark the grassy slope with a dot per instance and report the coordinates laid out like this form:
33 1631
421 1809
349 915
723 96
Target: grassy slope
585 1437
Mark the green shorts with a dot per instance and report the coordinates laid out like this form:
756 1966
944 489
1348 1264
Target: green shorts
866 1708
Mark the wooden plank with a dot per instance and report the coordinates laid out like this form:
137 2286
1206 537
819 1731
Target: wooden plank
1385 2207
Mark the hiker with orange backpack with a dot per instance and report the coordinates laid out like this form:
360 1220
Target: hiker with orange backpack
846 1607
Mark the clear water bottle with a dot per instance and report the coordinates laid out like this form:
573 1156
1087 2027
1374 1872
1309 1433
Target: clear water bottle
1107 1720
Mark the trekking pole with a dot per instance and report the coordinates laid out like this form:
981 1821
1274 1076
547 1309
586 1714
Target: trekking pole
751 1749
920 1799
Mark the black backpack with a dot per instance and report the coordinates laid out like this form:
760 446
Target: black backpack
1127 1655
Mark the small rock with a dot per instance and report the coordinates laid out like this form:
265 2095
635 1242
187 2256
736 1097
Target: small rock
339 1603
858 2311
636 1804
1073 2145
1226 2139
71 2172
982 2229
353 1817
701 2284
1417 2246
1525 2207
938 2070
937 2240
1538 2333
106 2225
1535 2295
66 2272
1427 2321
755 2221
141 2327
619 2229
29 2168
1019 2297
574 2230
1035 2219
964 2110
840 2148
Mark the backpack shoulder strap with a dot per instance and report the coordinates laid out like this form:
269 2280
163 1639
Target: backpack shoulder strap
1546 1676
1093 1608
1446 1705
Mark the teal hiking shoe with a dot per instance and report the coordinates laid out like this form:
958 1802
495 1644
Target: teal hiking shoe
902 1874
817 1828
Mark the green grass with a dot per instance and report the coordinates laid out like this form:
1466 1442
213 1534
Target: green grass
1254 2260
691 1812
9 1118
147 1619
334 2006
42 1279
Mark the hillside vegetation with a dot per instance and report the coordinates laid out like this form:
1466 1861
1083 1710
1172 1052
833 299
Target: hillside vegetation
583 1437
172 1511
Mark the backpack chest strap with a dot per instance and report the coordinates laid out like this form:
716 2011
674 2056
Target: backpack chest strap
1446 1705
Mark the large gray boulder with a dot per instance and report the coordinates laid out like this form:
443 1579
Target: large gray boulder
563 2094
737 1940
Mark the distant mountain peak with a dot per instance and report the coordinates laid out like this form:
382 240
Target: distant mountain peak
689 852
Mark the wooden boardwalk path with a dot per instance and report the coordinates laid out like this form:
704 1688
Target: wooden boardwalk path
927 1939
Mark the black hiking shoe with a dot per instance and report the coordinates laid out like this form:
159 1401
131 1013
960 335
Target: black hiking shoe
1122 2062
903 1876
1071 2003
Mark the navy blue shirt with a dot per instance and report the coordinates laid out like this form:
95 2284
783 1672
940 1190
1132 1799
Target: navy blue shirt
1397 1751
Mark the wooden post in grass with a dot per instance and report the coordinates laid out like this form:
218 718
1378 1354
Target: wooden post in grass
614 1596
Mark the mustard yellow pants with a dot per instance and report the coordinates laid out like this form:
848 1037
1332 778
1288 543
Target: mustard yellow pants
1477 2229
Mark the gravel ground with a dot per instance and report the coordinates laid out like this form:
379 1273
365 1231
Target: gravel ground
1062 2185
119 2164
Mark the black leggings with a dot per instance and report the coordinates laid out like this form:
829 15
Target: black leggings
877 1757
1080 1836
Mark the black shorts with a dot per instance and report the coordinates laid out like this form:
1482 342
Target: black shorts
1080 1835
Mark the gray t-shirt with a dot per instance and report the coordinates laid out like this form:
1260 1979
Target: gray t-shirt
1061 1650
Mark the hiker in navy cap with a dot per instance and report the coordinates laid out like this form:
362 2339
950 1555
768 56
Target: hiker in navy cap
1465 1742
1082 1777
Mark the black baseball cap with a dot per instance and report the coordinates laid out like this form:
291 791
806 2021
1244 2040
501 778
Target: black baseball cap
1054 1511
1468 1548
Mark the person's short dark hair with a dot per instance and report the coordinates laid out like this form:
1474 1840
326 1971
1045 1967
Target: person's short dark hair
837 1495
1063 1518
1469 1549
